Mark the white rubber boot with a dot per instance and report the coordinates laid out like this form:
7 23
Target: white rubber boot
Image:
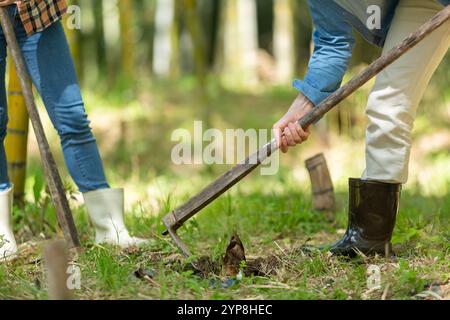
106 209
8 246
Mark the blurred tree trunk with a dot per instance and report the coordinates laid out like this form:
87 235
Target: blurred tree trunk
197 38
175 41
99 34
284 40
303 33
210 21
265 21
126 38
16 140
239 43
146 10
74 38
193 23
166 41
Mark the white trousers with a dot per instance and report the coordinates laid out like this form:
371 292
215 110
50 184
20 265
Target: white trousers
398 90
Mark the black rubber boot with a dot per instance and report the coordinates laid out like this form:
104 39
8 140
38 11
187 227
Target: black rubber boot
373 209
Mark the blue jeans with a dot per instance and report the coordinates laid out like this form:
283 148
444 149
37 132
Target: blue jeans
49 63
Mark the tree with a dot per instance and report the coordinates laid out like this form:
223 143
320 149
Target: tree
17 138
99 33
197 38
193 24
284 41
175 41
145 10
126 38
210 16
74 38
239 43
166 41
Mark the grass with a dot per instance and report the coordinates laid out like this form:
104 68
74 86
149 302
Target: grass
269 225
272 214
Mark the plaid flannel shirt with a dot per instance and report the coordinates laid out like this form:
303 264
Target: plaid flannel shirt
37 15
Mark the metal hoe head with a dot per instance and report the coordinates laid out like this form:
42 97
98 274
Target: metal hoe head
172 226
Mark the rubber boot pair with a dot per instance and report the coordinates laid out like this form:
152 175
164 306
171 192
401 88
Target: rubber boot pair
106 211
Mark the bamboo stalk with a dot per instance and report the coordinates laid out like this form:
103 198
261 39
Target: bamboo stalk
17 137
126 37
74 37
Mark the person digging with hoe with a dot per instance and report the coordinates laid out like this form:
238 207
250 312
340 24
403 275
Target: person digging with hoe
391 108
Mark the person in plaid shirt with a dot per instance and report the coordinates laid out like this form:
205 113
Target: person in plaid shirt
44 45
37 15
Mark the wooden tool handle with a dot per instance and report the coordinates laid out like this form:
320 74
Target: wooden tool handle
177 217
55 185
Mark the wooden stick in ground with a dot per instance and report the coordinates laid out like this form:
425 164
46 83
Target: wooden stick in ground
54 181
321 183
176 218
56 266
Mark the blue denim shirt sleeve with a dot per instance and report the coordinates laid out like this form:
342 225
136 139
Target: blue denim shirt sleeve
333 45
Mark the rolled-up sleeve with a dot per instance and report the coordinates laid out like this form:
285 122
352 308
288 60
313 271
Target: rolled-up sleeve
333 45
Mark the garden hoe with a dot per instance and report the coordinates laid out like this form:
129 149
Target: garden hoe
174 220
55 185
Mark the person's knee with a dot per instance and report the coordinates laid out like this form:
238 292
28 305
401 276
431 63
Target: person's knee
391 117
392 103
388 142
72 124
390 138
